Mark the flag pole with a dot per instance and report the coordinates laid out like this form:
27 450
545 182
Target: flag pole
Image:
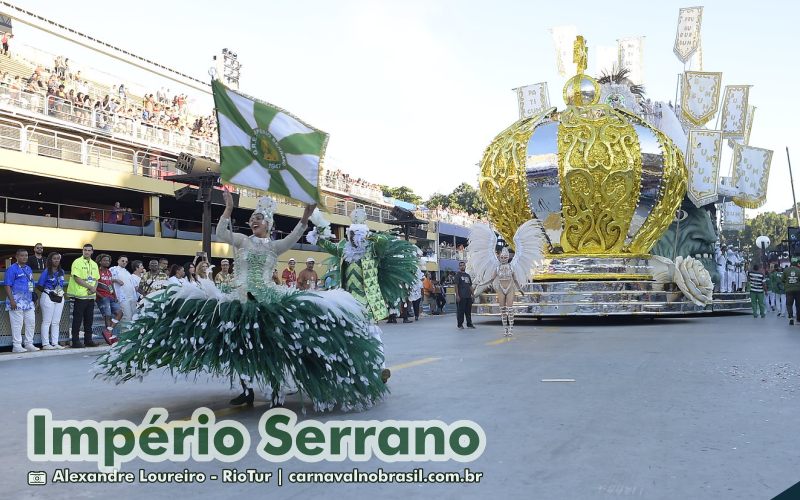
791 179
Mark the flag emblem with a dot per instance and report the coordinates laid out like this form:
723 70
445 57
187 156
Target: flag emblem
264 147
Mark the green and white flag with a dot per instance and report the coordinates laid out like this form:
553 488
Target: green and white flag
265 147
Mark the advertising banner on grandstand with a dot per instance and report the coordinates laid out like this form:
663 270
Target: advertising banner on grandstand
264 147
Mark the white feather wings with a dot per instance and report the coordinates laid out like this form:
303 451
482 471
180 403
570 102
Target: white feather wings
483 261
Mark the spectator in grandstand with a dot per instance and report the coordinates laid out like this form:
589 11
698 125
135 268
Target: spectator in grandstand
163 264
202 269
191 274
275 278
176 275
136 277
15 88
83 86
20 302
4 41
107 300
429 293
83 288
121 92
38 261
307 279
224 277
116 213
124 287
51 285
289 276
153 280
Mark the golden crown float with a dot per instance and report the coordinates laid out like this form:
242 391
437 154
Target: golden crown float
606 185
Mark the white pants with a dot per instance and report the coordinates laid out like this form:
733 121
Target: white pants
51 319
771 300
725 284
17 318
128 309
780 303
721 271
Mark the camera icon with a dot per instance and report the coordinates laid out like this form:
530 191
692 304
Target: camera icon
37 478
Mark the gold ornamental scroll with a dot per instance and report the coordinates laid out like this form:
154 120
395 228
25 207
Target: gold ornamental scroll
671 192
502 181
600 166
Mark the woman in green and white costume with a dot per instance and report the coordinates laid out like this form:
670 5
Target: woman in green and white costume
378 269
258 333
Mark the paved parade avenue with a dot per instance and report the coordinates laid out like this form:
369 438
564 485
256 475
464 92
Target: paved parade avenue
700 407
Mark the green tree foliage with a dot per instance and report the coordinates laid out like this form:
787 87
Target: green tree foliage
403 193
464 197
770 224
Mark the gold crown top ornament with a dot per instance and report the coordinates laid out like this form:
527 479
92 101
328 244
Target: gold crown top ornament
603 181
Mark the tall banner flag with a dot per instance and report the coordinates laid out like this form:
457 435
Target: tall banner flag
696 60
732 217
564 39
703 157
734 110
687 38
264 147
700 96
631 56
532 99
750 175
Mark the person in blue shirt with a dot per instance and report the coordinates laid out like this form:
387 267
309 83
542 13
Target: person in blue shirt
51 284
20 302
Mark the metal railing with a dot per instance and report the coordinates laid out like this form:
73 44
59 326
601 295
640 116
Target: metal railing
118 123
67 216
345 207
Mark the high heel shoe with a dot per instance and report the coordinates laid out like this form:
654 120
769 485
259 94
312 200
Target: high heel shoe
247 397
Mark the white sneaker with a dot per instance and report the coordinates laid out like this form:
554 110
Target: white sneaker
47 347
18 348
31 348
58 346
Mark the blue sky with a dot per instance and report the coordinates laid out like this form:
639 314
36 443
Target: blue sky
413 91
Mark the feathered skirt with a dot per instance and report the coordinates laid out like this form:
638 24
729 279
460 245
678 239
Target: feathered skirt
321 339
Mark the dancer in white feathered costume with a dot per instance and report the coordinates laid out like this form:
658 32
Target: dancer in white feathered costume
506 277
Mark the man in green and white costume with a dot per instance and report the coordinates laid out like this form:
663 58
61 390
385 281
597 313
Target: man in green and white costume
378 269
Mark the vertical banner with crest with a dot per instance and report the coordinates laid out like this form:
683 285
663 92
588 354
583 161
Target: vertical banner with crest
687 38
734 111
703 156
564 39
750 175
732 217
631 56
532 99
700 96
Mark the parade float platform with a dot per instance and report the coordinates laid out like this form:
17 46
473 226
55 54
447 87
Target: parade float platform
608 286
608 298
